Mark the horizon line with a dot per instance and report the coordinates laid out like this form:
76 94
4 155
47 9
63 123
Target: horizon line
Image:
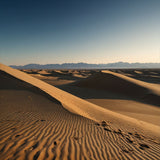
80 62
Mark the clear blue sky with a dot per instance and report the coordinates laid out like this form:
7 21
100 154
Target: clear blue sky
93 31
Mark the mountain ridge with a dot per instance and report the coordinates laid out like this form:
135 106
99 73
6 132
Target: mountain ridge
82 65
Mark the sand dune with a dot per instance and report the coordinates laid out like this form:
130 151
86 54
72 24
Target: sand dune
131 108
146 75
154 88
118 83
123 104
113 83
35 125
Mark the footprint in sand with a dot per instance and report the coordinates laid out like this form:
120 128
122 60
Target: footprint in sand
106 129
138 136
104 124
118 132
130 133
129 139
97 124
143 146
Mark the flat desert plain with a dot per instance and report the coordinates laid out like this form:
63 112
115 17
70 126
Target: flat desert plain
79 114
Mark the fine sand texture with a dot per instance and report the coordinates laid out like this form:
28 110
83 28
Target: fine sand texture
40 121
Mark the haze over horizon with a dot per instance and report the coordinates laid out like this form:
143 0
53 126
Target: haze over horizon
47 32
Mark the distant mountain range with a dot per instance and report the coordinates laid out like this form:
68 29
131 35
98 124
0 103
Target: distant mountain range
88 66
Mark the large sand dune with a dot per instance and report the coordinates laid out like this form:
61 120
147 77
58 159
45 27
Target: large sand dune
118 83
35 125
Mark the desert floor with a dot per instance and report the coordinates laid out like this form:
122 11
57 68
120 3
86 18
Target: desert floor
79 114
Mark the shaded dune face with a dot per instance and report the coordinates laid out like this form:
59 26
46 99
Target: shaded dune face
115 84
32 126
112 83
146 75
8 82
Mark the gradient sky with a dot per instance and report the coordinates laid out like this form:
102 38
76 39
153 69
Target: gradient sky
92 31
